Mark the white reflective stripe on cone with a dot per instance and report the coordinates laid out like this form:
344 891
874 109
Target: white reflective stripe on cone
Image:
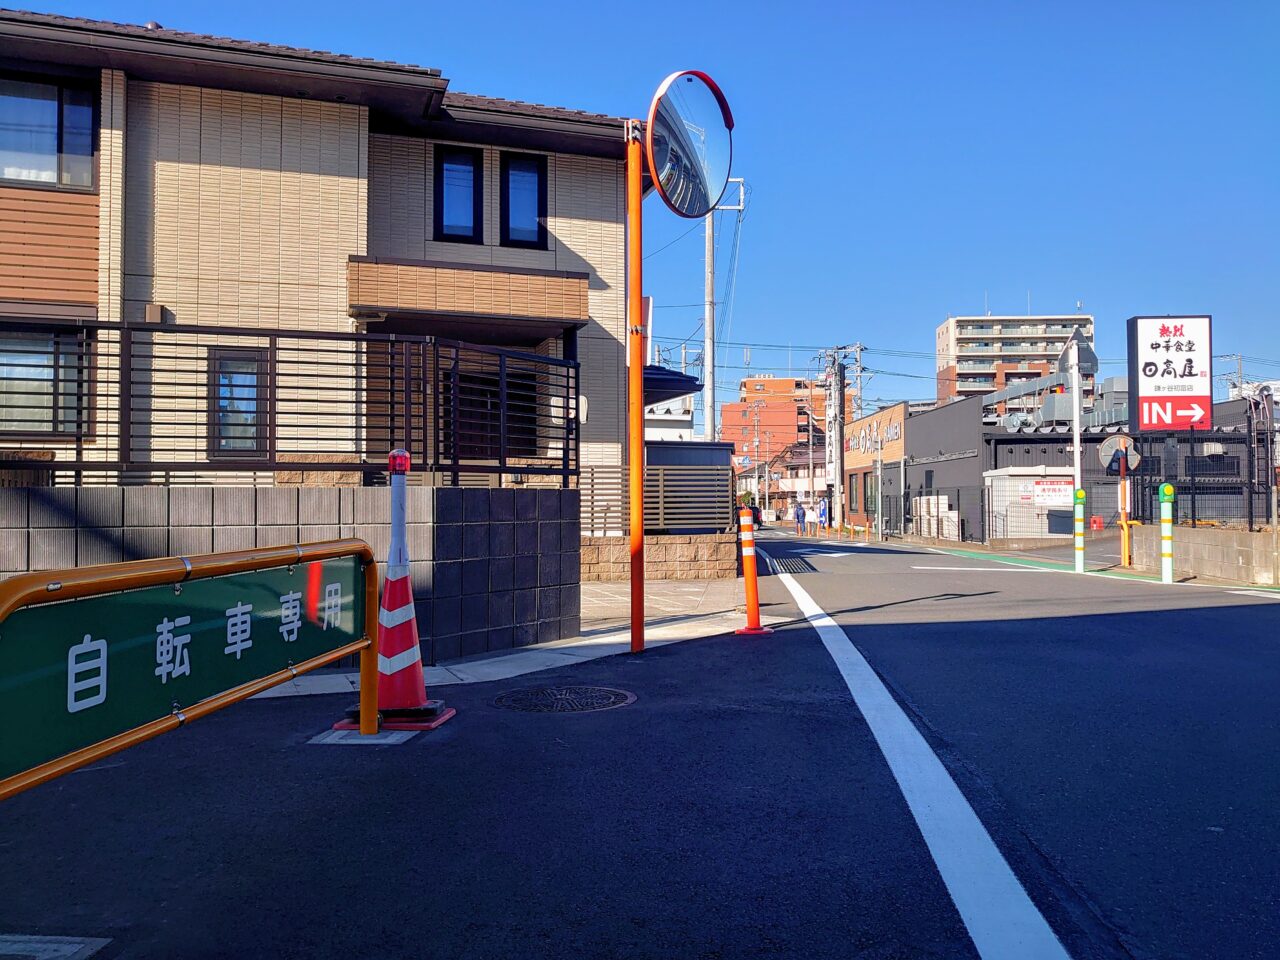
393 618
397 662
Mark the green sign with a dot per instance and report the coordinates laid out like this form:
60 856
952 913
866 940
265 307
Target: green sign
1079 496
77 672
1166 493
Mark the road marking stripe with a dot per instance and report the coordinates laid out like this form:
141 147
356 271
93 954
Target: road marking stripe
1001 919
1256 593
984 569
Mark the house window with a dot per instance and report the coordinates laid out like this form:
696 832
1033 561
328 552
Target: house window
39 379
524 200
473 428
459 195
46 134
239 391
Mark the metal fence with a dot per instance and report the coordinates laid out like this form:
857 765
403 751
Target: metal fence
677 499
162 400
1221 479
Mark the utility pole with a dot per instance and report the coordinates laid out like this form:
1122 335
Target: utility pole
709 312
879 488
768 464
709 334
812 378
835 372
755 445
1077 401
837 508
857 378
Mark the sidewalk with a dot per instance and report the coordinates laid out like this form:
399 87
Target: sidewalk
675 610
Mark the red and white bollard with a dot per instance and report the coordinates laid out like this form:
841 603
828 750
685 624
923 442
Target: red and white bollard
402 690
746 528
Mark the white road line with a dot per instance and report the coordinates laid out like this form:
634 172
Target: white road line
984 569
1001 919
1256 593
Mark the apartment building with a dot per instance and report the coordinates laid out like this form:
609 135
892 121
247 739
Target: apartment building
978 355
773 412
224 261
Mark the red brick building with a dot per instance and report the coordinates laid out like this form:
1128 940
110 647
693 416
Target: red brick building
776 411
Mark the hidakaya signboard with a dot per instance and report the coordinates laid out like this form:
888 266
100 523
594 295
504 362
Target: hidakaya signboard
1170 373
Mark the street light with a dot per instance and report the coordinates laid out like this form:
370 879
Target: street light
688 152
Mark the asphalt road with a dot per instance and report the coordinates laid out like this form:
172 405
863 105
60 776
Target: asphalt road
1116 737
1115 740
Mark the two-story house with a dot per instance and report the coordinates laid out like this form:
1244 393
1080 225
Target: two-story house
235 275
229 261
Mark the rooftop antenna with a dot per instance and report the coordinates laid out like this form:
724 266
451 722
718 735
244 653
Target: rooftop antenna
986 307
1079 306
1028 303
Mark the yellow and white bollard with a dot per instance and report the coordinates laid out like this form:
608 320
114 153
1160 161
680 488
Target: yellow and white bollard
1166 532
1079 531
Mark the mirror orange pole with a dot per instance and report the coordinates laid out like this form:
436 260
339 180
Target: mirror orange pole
635 382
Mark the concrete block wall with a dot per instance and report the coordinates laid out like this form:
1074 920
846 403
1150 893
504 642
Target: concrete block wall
707 556
497 568
1232 555
491 569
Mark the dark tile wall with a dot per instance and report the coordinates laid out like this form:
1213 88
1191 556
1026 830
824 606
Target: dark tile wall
500 570
491 569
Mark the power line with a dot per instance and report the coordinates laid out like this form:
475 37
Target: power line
696 225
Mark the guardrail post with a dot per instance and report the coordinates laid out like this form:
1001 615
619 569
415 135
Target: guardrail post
1166 532
1079 530
369 655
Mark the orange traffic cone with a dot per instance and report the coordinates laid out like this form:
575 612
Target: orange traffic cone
402 690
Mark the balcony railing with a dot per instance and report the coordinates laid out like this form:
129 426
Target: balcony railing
160 402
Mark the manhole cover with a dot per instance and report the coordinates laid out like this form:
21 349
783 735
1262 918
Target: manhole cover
564 699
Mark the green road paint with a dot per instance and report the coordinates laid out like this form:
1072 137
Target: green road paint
1058 566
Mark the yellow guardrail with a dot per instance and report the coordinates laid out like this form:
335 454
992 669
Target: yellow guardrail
34 593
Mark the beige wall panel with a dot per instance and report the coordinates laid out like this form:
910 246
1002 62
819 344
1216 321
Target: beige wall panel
111 196
585 208
241 208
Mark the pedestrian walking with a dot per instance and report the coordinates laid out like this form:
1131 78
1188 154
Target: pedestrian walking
799 519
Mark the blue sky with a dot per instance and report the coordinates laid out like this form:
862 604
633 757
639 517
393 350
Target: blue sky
904 158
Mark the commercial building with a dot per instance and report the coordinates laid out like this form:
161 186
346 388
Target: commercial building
872 445
978 355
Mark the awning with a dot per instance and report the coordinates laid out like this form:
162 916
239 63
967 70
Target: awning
662 384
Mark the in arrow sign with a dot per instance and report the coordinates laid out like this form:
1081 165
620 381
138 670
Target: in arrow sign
1195 412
